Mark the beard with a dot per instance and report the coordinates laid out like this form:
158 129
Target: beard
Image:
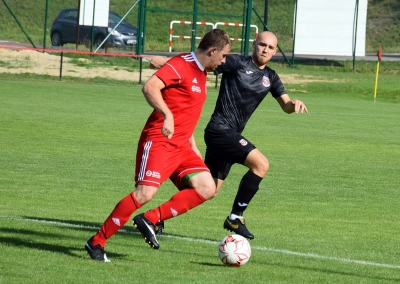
260 59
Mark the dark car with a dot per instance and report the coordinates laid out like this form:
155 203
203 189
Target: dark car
64 30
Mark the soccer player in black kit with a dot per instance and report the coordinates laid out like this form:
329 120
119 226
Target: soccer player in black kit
246 80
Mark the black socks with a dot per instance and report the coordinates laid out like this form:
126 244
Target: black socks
248 187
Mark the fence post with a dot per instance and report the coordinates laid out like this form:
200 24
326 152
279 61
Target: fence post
45 24
61 64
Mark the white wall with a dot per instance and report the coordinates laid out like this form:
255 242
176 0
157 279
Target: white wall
101 13
327 27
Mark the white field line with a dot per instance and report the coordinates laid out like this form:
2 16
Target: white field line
281 251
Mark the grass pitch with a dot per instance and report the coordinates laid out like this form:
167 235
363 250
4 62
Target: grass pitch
327 212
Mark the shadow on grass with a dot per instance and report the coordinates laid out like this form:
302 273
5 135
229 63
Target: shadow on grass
208 264
28 238
25 240
80 225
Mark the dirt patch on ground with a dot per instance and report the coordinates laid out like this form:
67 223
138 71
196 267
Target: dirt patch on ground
29 61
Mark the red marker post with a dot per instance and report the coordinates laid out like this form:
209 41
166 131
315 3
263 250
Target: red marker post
379 54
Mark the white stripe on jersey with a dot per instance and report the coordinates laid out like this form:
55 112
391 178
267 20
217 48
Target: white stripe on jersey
180 78
192 57
143 164
189 57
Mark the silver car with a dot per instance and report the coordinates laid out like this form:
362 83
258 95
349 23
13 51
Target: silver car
65 30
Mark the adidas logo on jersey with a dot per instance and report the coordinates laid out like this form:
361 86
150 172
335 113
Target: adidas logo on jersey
196 89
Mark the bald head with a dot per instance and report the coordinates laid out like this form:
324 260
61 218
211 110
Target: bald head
266 35
264 47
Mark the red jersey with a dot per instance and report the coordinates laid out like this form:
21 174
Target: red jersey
184 93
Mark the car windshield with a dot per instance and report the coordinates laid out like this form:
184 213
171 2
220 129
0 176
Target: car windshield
114 19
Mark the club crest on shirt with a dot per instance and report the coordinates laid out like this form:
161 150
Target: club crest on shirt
243 142
266 82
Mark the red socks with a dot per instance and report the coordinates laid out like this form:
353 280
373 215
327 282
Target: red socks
117 219
180 203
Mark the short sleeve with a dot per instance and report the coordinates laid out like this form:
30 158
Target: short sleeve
172 72
231 63
277 88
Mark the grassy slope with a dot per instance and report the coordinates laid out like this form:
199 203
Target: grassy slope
382 21
383 25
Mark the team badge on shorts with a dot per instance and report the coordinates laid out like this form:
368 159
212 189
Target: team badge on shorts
243 142
266 82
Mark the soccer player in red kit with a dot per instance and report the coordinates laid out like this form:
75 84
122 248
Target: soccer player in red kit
167 148
246 81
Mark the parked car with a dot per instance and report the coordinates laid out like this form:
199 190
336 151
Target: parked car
64 30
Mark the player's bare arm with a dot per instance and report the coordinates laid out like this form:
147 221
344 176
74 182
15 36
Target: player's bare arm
290 106
152 92
158 61
193 145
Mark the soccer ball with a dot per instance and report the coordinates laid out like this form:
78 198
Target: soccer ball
234 250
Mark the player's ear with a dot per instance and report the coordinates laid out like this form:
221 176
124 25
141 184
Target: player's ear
211 51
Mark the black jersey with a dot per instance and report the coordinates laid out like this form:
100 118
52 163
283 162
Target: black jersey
243 87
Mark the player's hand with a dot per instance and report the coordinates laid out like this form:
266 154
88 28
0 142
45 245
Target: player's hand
168 127
158 61
299 106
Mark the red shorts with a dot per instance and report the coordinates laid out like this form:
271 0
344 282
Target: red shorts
156 161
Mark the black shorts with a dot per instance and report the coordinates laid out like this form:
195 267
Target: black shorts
225 149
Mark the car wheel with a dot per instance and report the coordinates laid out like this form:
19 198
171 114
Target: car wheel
56 39
98 40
